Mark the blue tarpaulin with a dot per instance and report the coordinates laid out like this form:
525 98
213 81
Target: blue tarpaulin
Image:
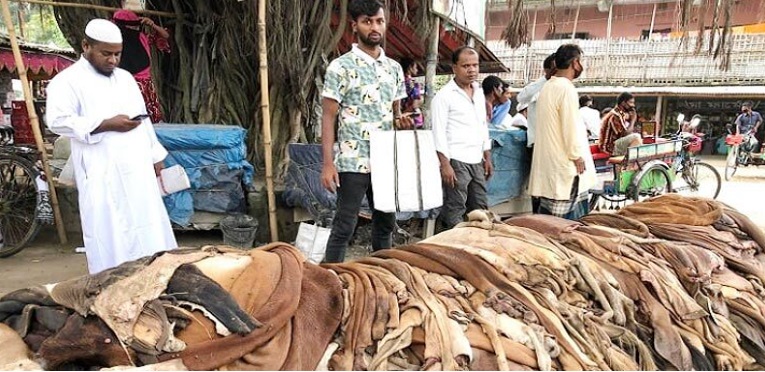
303 180
511 165
214 157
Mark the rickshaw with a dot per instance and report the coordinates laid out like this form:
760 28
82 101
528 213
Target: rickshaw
662 166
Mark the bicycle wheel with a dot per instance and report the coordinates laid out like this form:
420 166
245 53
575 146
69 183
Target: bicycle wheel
731 163
653 182
18 203
702 180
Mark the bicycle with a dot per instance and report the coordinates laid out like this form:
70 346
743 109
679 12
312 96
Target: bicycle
741 156
23 198
697 175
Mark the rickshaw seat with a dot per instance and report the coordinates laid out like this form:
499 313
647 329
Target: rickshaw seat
616 159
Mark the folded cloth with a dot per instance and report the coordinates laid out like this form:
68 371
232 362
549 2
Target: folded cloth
172 180
405 171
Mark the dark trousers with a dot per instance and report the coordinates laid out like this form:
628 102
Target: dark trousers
350 194
468 194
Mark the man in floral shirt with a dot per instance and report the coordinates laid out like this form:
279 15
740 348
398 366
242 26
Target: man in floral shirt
362 90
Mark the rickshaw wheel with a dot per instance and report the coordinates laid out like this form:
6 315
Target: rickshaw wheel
654 181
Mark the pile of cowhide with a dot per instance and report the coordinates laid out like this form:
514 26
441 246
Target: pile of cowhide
671 283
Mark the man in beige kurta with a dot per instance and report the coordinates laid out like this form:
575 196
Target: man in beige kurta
562 170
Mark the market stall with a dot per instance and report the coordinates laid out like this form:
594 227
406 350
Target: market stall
42 64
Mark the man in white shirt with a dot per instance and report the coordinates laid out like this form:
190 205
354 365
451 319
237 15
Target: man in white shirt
590 116
529 95
462 139
115 154
519 121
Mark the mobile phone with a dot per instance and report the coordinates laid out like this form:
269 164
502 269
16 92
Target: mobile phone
139 117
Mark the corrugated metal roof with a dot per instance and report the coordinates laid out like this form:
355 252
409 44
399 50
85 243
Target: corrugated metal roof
713 91
543 4
402 41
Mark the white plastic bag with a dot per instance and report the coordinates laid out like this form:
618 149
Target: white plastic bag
66 177
312 241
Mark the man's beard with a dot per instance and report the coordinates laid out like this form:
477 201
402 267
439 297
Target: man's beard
368 42
105 73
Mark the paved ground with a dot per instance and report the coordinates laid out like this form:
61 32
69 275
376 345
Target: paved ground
46 261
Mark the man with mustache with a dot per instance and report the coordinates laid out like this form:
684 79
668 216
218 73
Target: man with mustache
115 153
462 139
562 170
362 92
616 131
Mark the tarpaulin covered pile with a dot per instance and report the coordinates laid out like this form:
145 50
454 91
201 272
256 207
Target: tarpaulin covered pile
671 283
511 165
214 157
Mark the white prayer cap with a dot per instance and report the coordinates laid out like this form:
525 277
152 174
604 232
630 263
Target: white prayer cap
104 31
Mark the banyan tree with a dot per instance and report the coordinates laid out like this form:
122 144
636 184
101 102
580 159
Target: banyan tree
211 75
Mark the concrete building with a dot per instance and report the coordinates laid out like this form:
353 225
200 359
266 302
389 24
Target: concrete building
642 52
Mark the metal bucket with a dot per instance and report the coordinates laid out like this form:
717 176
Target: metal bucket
239 230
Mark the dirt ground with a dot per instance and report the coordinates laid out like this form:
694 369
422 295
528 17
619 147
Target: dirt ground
47 261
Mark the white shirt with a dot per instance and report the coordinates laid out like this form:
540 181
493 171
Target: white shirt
517 122
591 119
122 214
529 96
459 123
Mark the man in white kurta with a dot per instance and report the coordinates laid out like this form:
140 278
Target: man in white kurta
115 158
562 170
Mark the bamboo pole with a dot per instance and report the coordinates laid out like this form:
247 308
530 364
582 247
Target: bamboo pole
265 109
648 41
20 15
94 7
576 22
608 40
431 65
658 113
33 120
527 65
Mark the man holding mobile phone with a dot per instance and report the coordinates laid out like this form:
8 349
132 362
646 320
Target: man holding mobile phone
115 153
617 130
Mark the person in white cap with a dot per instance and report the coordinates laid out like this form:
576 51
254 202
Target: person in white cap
115 153
519 121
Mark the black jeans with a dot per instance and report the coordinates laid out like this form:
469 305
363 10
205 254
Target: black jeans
350 194
468 194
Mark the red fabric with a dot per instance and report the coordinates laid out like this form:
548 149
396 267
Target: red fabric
597 154
36 62
151 99
163 45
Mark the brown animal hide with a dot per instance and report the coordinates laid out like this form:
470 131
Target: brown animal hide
84 342
15 355
295 302
675 209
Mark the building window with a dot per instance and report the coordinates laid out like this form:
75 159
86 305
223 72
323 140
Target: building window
645 33
567 35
